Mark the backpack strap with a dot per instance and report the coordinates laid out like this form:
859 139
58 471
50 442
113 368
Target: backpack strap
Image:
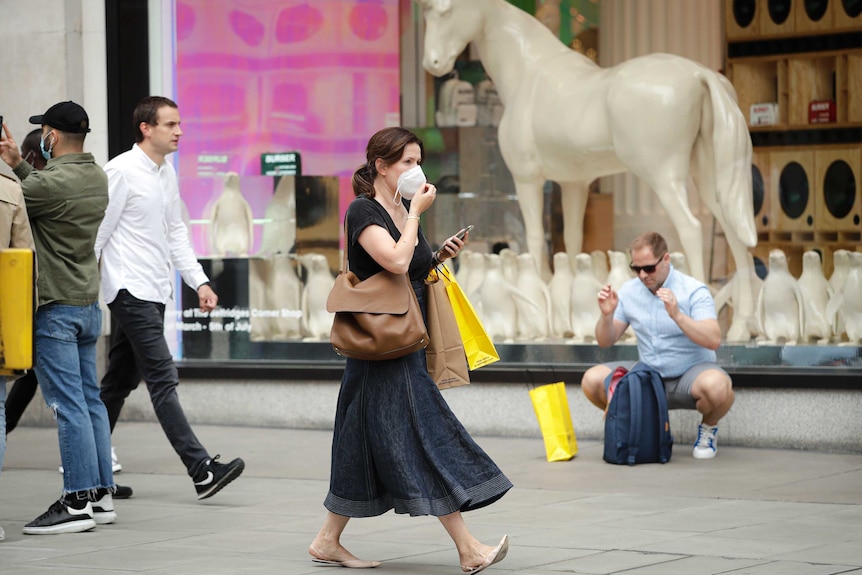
636 403
661 398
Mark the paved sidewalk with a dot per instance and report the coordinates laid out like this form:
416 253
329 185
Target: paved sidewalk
750 511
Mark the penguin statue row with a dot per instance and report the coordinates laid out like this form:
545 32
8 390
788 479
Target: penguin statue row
516 304
811 309
285 308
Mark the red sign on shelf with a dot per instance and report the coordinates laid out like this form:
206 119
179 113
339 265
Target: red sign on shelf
821 112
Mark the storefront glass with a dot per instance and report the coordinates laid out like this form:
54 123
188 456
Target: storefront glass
294 90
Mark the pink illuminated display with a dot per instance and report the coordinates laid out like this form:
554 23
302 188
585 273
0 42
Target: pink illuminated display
262 76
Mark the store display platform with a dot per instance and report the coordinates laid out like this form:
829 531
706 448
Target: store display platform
801 366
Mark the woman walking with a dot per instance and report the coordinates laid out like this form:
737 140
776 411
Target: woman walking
396 444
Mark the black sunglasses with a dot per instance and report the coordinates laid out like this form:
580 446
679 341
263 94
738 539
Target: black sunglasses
647 269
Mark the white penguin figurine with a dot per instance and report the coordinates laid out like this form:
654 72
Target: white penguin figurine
815 296
509 260
620 272
232 221
600 265
848 301
840 269
285 295
560 288
780 306
497 307
462 276
316 321
279 228
477 275
258 298
585 303
742 298
729 294
533 315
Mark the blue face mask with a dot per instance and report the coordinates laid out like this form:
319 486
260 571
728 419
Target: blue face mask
45 153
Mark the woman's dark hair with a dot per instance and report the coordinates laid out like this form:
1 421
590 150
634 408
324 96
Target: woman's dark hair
147 111
387 145
30 149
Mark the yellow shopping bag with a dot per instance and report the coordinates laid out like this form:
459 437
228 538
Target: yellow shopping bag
555 421
16 310
478 346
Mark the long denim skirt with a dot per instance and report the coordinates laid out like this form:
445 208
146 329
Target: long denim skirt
397 445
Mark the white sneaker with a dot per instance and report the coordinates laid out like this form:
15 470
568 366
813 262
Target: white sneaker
103 508
706 445
115 464
2 534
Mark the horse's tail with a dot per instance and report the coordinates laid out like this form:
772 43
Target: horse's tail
731 144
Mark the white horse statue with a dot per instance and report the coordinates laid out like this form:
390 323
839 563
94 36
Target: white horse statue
566 119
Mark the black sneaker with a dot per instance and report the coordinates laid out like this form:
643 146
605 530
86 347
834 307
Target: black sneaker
213 476
66 515
103 507
122 492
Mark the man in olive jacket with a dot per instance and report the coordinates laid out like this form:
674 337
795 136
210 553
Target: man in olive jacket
66 203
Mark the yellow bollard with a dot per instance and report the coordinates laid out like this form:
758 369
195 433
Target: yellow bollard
16 310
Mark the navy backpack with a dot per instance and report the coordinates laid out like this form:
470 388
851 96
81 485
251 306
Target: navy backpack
637 428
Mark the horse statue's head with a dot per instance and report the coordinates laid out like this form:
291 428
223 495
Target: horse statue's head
449 26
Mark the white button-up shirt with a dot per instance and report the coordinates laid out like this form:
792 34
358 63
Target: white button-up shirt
143 232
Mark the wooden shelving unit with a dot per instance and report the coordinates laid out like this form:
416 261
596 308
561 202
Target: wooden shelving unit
793 53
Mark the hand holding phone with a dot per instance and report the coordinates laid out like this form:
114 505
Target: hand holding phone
460 235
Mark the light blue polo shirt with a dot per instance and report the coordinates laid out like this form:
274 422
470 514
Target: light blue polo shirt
661 343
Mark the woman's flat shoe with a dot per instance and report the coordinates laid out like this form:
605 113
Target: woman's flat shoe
350 563
495 556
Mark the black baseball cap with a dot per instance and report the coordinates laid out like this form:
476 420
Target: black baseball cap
66 117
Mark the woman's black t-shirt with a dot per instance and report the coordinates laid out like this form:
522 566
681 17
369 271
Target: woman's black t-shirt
363 212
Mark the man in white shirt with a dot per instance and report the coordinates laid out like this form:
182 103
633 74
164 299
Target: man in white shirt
142 235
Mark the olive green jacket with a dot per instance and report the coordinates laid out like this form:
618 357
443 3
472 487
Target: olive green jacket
66 202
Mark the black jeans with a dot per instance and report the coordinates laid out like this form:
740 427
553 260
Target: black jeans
139 349
19 398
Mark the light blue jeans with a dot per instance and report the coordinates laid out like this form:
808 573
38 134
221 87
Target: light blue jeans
66 337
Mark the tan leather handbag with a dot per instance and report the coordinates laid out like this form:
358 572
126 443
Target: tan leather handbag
377 318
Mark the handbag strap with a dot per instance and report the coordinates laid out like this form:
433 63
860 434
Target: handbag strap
344 262
344 267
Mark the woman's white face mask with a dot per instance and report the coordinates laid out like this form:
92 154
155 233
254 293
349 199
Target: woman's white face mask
409 183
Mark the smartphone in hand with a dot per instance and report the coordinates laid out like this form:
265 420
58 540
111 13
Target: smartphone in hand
460 235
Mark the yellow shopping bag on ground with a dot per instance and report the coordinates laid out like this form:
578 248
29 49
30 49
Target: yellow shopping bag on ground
555 421
478 346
